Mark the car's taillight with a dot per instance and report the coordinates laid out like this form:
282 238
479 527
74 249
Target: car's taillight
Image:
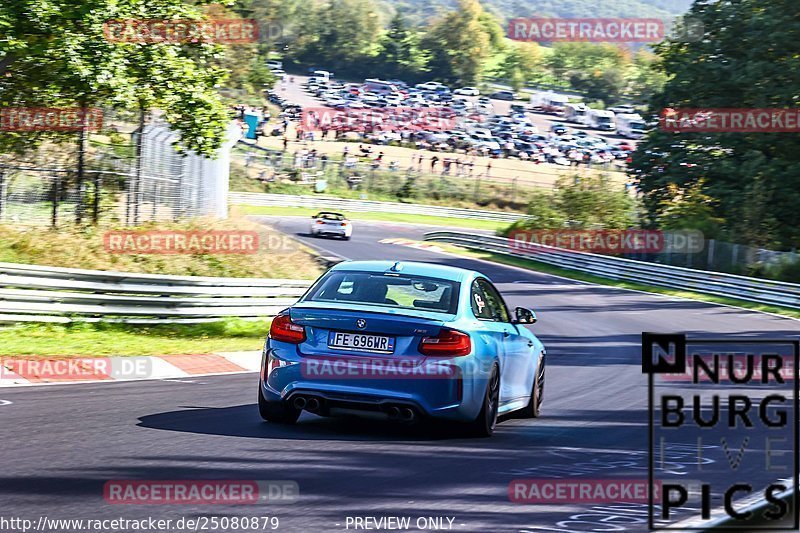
344 224
284 330
320 222
448 343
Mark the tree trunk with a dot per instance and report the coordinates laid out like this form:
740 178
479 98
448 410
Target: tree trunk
79 181
136 186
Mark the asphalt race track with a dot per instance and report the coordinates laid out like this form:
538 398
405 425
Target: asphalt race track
61 443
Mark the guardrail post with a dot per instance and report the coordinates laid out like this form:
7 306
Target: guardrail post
2 194
96 203
710 262
56 192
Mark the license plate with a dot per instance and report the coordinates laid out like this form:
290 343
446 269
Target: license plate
359 342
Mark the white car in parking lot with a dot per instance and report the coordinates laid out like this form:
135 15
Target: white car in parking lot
467 91
330 223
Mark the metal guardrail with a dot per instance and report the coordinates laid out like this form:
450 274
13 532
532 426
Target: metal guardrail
328 202
726 285
31 293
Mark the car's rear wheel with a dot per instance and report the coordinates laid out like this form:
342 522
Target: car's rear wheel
534 408
483 425
276 412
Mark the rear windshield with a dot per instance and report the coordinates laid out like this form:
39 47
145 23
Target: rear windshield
387 289
330 216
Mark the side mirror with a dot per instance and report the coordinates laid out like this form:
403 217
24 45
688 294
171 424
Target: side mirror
524 316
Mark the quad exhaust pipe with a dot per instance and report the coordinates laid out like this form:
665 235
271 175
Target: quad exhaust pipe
309 403
312 404
405 414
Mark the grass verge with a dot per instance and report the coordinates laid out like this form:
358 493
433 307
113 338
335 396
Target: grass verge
107 339
573 274
274 256
386 217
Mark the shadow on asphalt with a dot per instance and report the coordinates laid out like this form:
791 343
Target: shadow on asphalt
244 421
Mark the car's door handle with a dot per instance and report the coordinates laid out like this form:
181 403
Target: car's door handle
506 333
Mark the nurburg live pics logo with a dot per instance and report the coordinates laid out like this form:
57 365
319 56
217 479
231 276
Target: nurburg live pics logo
739 407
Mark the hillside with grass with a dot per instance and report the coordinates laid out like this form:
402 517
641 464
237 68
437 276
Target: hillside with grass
276 256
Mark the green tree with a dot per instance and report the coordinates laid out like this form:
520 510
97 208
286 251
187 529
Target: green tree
55 54
400 55
594 201
606 85
690 208
521 63
459 44
340 34
749 58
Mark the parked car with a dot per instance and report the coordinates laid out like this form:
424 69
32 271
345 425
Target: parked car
504 95
467 91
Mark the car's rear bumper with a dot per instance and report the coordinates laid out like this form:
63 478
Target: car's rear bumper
458 397
337 232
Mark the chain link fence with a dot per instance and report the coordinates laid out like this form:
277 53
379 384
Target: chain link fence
732 258
141 179
447 179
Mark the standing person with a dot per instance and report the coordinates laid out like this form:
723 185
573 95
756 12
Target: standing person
434 160
507 148
323 161
285 143
489 168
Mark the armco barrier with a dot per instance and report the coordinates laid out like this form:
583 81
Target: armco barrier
344 204
714 283
30 293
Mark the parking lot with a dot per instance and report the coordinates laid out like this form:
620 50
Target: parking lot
477 125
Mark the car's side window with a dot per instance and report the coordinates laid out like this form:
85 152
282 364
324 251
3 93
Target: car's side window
494 301
478 301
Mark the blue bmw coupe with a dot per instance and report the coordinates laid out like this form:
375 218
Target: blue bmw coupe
405 341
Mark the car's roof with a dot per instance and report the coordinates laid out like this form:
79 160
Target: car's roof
412 268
